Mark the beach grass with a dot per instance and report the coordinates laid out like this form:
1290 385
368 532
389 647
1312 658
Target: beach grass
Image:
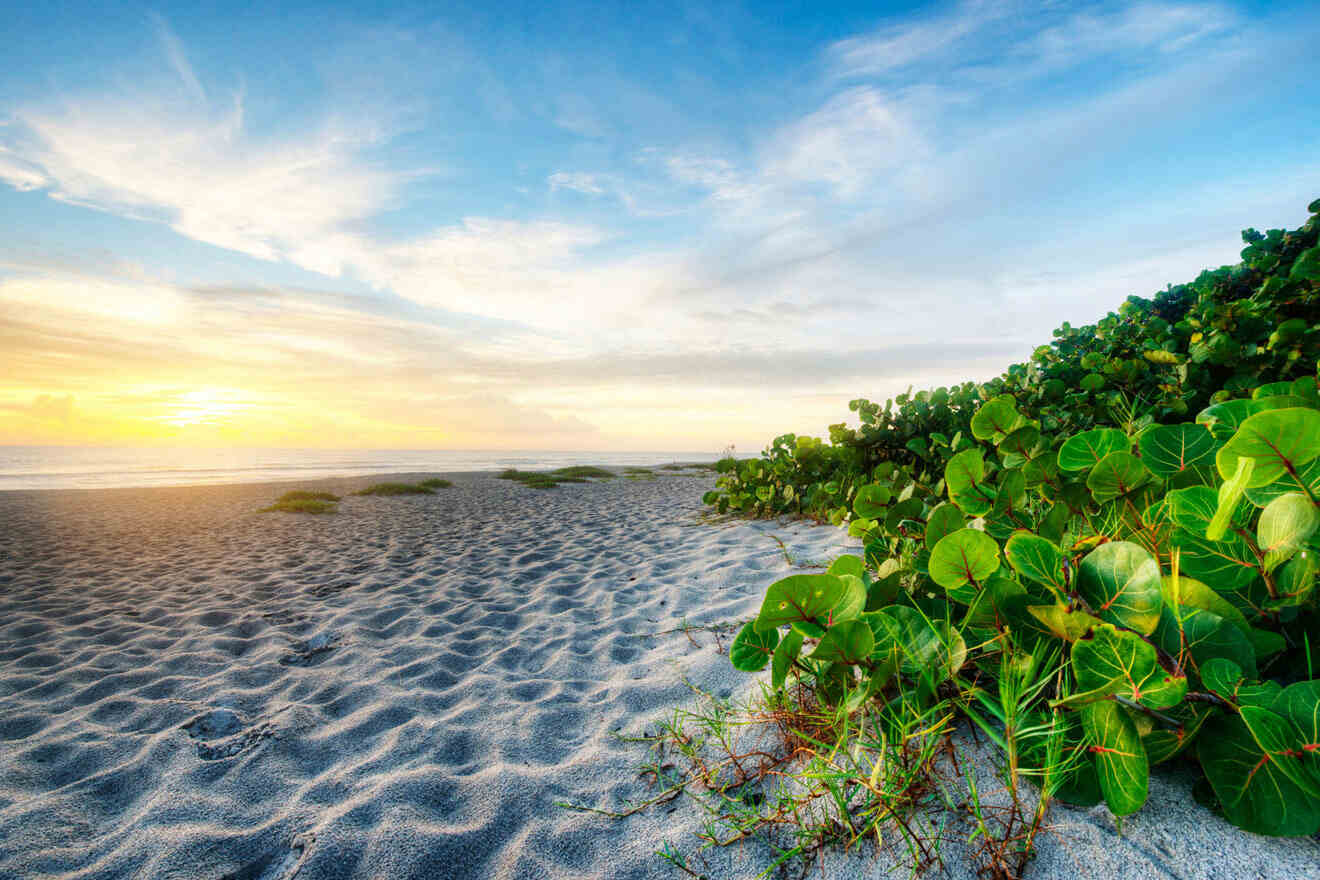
435 483
385 489
582 473
299 501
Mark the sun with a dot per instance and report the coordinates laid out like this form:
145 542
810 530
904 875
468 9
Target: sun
206 406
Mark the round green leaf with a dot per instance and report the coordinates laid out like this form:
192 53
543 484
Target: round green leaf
1121 582
853 600
1222 676
1285 525
963 557
871 501
943 520
1279 440
1256 794
1170 449
1111 661
1020 447
849 642
1038 559
964 476
1196 636
799 598
1117 474
848 564
1120 758
997 419
1085 450
751 649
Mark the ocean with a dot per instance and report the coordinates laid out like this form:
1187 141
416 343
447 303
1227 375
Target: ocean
104 467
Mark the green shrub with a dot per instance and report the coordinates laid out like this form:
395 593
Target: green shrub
301 505
394 489
1167 571
435 483
551 479
1232 331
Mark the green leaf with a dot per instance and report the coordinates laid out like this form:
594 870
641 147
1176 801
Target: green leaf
1038 559
1117 474
1064 622
799 597
945 519
847 564
997 419
1085 450
1196 636
1119 756
871 501
964 557
965 477
853 600
1307 266
1222 676
1111 661
751 649
1229 563
1255 793
1305 481
1092 382
849 642
1300 702
1195 594
1278 440
788 649
1223 419
1121 583
1229 498
1170 449
920 646
1285 525
1020 447
1295 581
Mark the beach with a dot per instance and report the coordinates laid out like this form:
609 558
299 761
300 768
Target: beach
417 686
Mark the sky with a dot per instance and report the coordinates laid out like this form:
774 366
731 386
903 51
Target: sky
670 226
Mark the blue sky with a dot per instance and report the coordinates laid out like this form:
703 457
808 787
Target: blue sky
647 226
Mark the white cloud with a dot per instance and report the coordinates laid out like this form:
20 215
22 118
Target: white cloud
178 58
578 181
847 143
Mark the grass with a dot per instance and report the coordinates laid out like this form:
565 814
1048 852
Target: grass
395 489
435 483
551 479
804 777
299 501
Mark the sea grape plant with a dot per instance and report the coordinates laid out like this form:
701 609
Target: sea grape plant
1232 331
1174 566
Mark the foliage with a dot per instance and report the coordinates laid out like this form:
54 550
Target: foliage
551 479
435 483
1216 340
1170 579
394 489
301 501
1135 515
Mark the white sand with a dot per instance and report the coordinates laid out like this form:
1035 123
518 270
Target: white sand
189 688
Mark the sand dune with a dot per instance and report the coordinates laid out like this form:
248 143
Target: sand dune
189 688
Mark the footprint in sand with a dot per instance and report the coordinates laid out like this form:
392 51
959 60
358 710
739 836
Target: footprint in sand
221 733
305 653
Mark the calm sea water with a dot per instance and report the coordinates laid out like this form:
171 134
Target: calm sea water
99 467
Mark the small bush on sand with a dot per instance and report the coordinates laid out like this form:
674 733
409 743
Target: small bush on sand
435 483
394 489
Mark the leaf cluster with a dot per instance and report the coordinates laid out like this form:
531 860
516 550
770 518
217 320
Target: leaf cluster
1153 531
